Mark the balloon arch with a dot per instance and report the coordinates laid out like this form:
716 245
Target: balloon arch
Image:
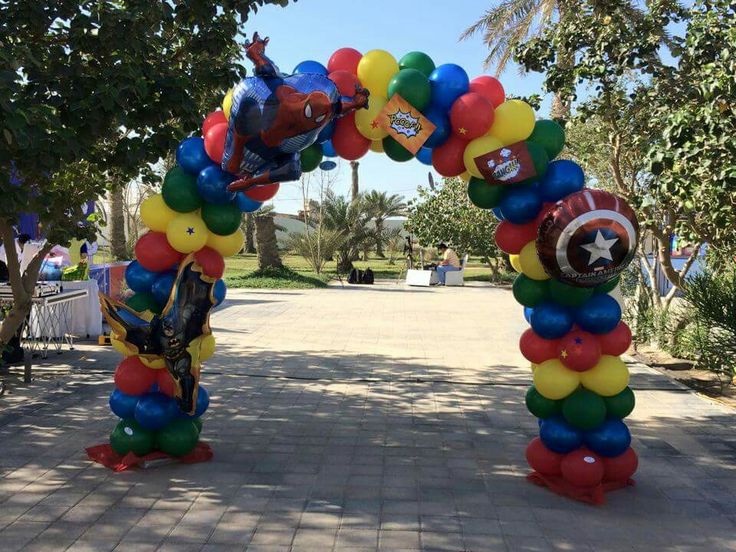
568 244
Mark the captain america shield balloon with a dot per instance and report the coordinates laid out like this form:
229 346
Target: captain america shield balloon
587 238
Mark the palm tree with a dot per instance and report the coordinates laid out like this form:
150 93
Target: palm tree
382 206
351 219
509 24
354 177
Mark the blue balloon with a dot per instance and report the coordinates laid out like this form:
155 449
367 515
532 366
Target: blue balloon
559 436
212 184
191 156
528 311
155 411
439 119
162 287
611 438
497 213
219 291
327 165
550 320
246 204
599 315
424 155
328 149
563 178
203 402
310 66
449 82
327 132
122 405
138 278
520 204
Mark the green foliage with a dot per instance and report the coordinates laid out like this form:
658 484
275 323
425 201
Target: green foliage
351 219
277 278
381 206
446 214
315 245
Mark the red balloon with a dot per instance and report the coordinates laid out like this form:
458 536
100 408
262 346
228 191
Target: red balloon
347 141
621 467
546 208
262 192
211 262
345 81
579 350
214 142
490 88
345 59
154 252
133 377
213 119
511 238
537 349
541 459
471 115
582 468
617 341
447 159
166 383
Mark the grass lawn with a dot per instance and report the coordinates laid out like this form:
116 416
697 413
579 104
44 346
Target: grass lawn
242 272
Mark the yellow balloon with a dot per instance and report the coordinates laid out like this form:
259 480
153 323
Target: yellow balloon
530 264
156 214
554 381
375 70
226 246
155 363
476 148
365 119
607 378
513 122
377 146
515 262
466 176
534 367
227 103
207 347
187 232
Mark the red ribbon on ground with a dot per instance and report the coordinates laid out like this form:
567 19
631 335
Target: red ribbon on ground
591 495
103 454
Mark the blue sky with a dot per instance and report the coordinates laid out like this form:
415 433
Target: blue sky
313 29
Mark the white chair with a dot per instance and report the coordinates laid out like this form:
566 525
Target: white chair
457 277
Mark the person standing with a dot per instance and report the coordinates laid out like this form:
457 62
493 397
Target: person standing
449 263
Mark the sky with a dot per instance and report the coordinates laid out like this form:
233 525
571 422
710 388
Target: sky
314 29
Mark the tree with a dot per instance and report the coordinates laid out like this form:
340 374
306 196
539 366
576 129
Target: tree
249 227
268 250
94 91
355 191
445 214
382 206
117 224
349 218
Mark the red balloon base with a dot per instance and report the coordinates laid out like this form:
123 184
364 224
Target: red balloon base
103 454
591 495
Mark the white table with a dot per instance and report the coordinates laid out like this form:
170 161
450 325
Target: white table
49 322
86 316
417 277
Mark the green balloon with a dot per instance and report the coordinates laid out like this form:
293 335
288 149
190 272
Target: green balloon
569 296
143 301
221 219
180 191
129 436
539 405
550 135
584 409
413 86
530 292
198 424
178 438
621 405
396 151
311 157
539 158
419 61
608 286
484 195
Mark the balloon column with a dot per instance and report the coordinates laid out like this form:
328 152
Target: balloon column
569 245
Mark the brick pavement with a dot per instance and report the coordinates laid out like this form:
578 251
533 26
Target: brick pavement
359 419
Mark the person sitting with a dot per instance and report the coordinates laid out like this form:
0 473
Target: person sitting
449 263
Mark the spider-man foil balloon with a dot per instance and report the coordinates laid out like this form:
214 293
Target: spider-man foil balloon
275 116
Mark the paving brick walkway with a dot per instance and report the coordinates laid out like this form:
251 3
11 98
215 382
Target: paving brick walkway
359 419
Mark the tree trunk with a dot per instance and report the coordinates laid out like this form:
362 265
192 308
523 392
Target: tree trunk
117 223
268 251
379 239
560 109
354 168
250 226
